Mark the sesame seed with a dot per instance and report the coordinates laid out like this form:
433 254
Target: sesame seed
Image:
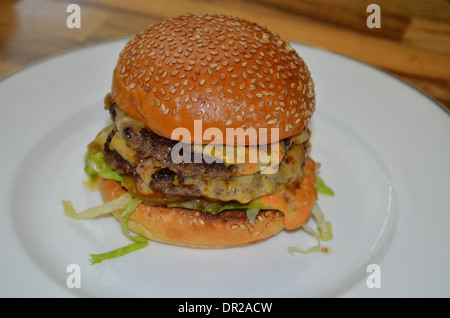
192 47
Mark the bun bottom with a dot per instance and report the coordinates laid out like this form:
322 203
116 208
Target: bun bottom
195 229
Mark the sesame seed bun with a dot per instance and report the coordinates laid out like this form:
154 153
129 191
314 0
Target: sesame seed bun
183 227
225 71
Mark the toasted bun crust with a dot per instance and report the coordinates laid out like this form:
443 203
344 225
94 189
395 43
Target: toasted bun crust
183 227
225 71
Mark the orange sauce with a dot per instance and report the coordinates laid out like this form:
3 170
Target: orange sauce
296 201
249 168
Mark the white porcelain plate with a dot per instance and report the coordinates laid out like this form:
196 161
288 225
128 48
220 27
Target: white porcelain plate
384 150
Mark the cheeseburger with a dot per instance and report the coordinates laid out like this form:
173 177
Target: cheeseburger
226 74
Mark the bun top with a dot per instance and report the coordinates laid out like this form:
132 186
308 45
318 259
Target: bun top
225 71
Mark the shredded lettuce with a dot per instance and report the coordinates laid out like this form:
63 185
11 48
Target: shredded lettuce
129 208
323 188
95 165
128 204
324 227
252 208
326 233
324 230
93 212
252 213
211 207
323 233
312 249
97 258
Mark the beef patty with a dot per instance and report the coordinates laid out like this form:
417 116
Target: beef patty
150 145
162 180
154 170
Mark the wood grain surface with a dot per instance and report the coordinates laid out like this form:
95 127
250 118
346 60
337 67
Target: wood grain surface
413 41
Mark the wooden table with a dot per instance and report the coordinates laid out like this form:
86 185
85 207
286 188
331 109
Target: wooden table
413 40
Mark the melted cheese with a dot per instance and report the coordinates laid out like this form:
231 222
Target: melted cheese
123 121
101 137
242 154
245 188
120 145
117 143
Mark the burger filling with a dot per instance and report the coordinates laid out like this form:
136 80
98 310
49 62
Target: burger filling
145 159
143 163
